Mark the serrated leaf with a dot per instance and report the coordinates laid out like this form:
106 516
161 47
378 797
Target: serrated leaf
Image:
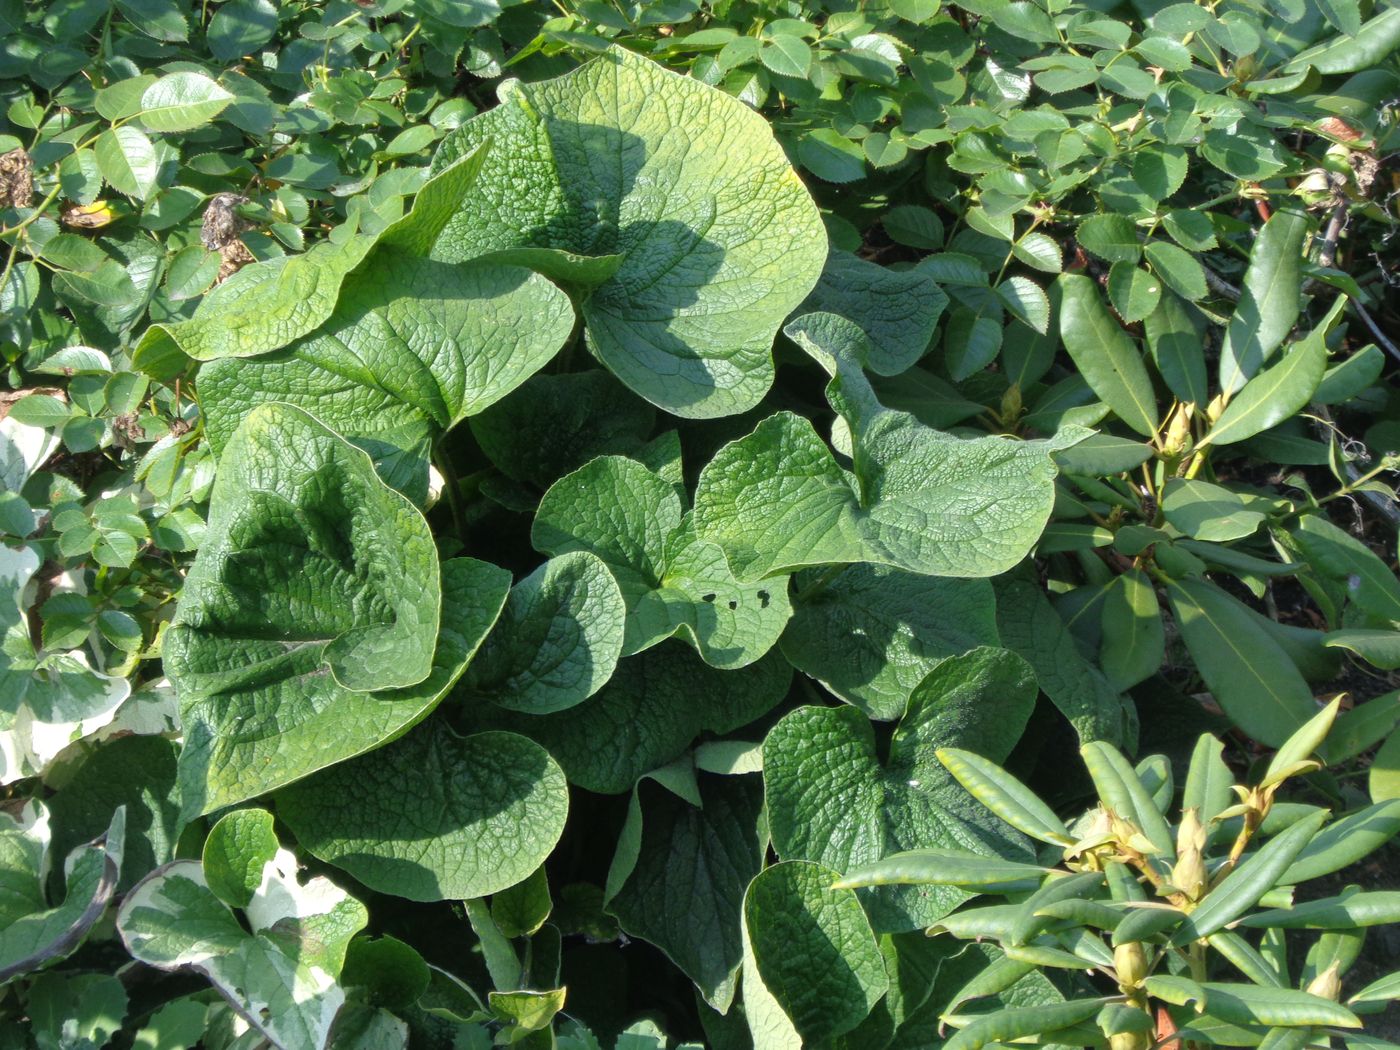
181 102
679 207
128 161
1134 643
434 815
1027 300
1177 268
1112 238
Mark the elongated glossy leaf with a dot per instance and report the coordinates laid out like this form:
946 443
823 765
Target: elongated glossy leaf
1338 555
1248 673
1123 792
1268 305
717 237
1283 1007
434 815
1254 877
1208 781
1031 628
1347 911
1174 341
832 801
1345 841
1008 1025
1134 644
1105 354
1278 392
1004 795
813 949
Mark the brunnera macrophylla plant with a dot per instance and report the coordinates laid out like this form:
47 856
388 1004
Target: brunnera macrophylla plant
1191 931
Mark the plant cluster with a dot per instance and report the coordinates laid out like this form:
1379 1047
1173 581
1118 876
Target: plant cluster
542 524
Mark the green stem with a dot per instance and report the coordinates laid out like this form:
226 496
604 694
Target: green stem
820 584
452 487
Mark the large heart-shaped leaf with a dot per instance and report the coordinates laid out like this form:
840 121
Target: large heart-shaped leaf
308 629
715 238
673 582
413 348
831 799
269 304
647 715
919 500
679 876
434 816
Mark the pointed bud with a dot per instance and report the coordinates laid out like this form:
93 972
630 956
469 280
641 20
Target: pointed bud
1130 963
1190 875
1327 984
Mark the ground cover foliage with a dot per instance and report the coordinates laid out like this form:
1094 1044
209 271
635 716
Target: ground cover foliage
754 525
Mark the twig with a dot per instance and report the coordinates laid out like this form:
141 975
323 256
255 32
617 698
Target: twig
1220 286
1382 506
1375 329
1327 255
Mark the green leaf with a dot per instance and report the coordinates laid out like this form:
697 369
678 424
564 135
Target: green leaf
38 936
308 631
1276 393
1378 648
1177 268
1160 170
684 889
557 640
1210 512
1349 910
240 27
74 1009
1336 554
1255 876
1105 355
1004 795
709 267
554 424
1030 627
908 224
1174 341
1344 842
1248 1004
1249 675
1133 291
520 910
871 634
674 583
813 949
1112 238
135 772
1269 303
896 309
181 102
268 305
1124 794
434 816
1014 1024
128 161
1040 251
1134 642
831 799
280 971
239 846
926 502
647 715
1208 781
1027 300
831 156
786 55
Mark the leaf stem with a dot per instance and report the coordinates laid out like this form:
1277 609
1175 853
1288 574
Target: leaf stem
820 584
453 489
